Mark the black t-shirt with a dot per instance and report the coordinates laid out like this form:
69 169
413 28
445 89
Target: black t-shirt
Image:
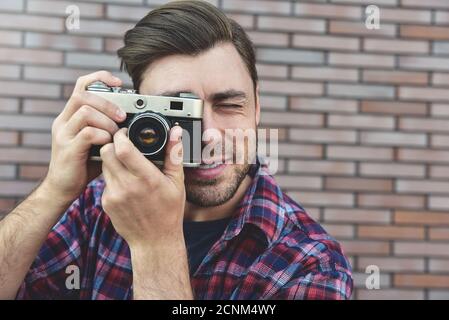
200 236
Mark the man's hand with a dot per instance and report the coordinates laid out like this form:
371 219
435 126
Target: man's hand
146 207
87 119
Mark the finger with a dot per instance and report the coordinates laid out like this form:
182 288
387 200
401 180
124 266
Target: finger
89 136
104 76
174 154
111 165
99 103
131 157
88 116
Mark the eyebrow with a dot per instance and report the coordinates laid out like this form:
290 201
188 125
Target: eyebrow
215 97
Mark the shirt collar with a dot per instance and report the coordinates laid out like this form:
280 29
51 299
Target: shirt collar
262 206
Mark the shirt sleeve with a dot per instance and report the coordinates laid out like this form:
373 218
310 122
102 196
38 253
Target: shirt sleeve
299 270
55 273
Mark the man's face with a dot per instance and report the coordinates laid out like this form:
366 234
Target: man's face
220 78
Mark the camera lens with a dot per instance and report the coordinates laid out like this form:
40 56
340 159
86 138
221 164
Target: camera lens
149 132
148 136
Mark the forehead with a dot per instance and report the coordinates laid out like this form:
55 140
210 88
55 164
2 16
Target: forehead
217 69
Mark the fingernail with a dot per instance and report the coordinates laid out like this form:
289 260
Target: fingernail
121 114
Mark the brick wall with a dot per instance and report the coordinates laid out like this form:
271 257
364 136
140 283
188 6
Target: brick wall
363 115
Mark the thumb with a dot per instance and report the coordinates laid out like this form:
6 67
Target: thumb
174 155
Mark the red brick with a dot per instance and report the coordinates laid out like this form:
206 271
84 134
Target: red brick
8 137
291 87
322 167
340 231
323 105
359 153
390 294
326 42
406 15
273 102
423 124
286 119
392 170
425 4
439 109
30 22
30 56
292 182
64 42
357 216
393 138
424 32
391 201
58 8
421 280
421 218
245 20
361 121
325 73
9 105
359 184
395 46
291 24
24 155
32 172
127 13
399 77
438 203
365 247
323 135
424 63
323 198
358 28
423 94
421 249
300 150
252 6
327 10
36 139
439 233
361 60
16 188
10 38
361 91
275 39
390 232
272 71
28 89
394 107
439 172
392 263
438 265
51 107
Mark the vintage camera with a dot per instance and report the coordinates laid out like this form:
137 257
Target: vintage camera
150 118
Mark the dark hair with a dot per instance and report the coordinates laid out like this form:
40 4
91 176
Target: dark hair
182 27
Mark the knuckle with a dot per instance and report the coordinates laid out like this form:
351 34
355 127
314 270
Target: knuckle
87 133
123 152
106 149
85 111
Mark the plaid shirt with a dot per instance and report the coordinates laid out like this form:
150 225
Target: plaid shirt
271 249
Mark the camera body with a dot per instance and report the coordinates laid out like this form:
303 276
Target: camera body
150 118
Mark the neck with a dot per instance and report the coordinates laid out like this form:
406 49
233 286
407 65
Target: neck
196 213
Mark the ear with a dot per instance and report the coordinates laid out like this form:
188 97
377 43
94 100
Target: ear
257 105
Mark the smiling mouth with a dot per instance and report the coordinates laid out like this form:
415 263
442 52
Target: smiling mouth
209 166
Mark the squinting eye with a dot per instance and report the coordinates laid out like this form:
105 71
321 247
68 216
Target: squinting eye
228 106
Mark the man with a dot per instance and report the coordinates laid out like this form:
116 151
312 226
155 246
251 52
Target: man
216 232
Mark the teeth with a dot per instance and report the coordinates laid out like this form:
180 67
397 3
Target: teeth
209 166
